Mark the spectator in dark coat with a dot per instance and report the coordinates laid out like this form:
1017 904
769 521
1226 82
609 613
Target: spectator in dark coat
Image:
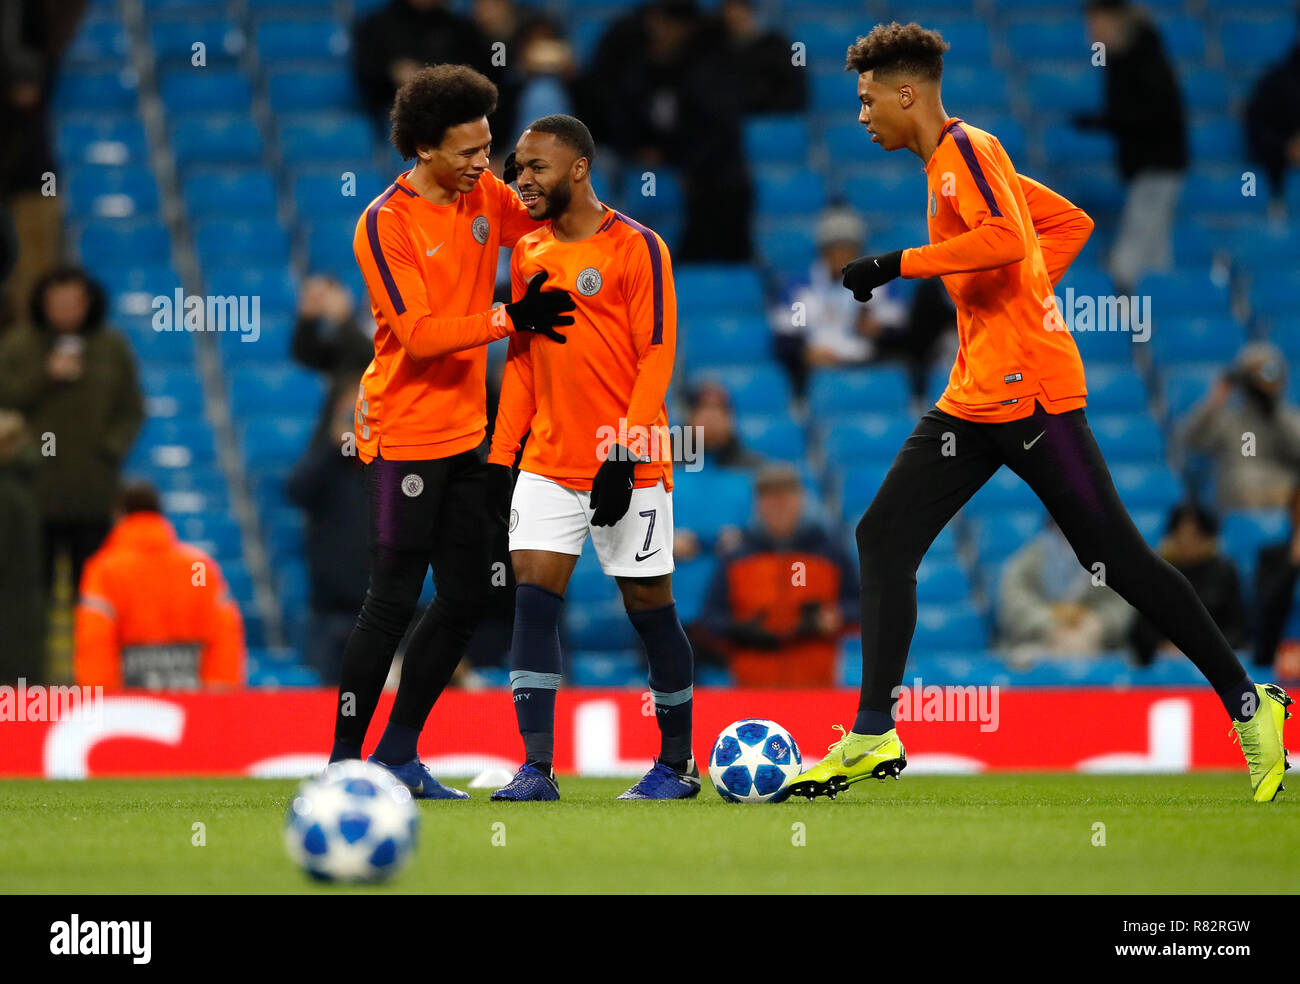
781 599
22 609
1276 573
403 36
1191 545
1143 110
327 485
1273 122
762 62
74 379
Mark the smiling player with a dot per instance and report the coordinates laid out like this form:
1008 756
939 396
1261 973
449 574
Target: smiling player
427 248
598 461
1015 397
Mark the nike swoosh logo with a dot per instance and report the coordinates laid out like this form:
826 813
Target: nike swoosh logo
850 762
430 252
1030 444
640 558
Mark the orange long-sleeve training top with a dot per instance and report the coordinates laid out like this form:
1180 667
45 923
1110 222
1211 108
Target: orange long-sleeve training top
608 383
430 271
1000 241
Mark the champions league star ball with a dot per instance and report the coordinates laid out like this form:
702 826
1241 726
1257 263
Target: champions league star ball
353 823
753 761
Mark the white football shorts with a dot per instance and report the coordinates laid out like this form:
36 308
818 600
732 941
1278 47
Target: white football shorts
545 515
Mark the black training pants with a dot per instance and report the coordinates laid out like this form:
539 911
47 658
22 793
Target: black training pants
942 464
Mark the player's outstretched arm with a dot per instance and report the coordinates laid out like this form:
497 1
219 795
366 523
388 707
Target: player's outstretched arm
516 407
1062 227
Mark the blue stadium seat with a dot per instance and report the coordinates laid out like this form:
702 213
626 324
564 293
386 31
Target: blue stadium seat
301 38
776 437
96 91
1216 140
788 191
1275 295
858 485
1244 532
879 194
275 390
776 139
967 89
1116 390
1003 492
1000 533
1147 486
884 389
860 437
216 533
1250 44
1264 250
228 193
296 91
1132 438
754 389
1052 40
1060 89
835 92
205 90
171 392
329 245
321 192
1184 38
271 439
620 668
709 341
98 40
1177 340
690 586
939 582
102 138
259 241
217 139
111 192
1185 386
343 137
787 247
1068 143
115 242
720 289
1221 196
943 628
178 443
1207 91
174 37
600 627
825 39
708 500
969 37
272 285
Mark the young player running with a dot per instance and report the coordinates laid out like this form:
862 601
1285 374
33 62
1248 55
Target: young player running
1015 397
591 465
428 249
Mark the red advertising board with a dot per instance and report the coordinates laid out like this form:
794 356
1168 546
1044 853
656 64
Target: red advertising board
612 732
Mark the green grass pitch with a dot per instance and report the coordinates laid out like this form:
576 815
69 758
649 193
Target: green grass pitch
985 834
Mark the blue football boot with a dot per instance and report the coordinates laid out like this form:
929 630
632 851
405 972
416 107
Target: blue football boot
665 783
415 775
530 784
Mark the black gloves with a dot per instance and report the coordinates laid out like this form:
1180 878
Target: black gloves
866 273
611 489
500 489
541 311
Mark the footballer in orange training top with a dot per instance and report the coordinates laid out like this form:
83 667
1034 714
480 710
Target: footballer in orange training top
598 459
1015 397
428 248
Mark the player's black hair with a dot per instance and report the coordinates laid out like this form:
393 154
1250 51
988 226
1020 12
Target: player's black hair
898 49
571 131
436 98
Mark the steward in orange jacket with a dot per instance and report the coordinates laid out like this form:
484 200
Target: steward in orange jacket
155 612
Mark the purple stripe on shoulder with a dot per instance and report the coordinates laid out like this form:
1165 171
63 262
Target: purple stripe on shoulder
656 274
372 234
977 172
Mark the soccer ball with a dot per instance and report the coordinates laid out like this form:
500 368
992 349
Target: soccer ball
354 823
753 761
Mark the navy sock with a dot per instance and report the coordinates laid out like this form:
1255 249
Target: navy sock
535 670
872 722
672 670
344 750
1241 701
397 745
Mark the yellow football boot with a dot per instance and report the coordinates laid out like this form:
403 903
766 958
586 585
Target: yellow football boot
1261 741
851 759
